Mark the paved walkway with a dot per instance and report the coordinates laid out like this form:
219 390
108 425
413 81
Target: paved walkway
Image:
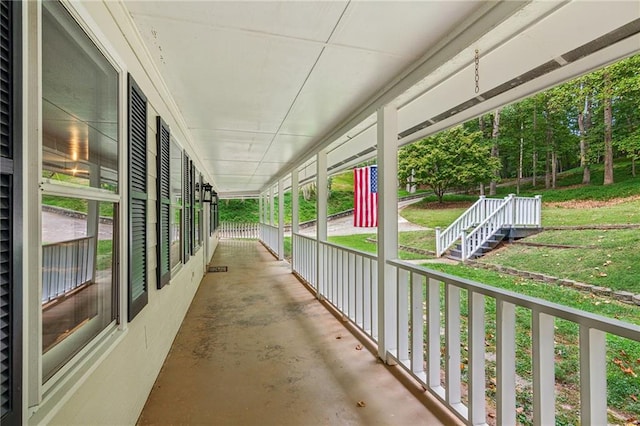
257 348
344 225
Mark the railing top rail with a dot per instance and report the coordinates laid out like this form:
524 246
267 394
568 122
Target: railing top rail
488 218
269 226
74 240
462 216
349 250
609 325
306 237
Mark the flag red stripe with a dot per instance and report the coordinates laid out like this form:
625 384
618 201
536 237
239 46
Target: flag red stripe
365 202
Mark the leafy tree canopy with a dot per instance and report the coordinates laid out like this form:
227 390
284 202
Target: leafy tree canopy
451 159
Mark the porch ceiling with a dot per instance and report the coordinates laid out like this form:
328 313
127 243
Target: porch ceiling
263 85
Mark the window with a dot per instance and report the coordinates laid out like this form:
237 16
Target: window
79 158
176 203
137 199
164 203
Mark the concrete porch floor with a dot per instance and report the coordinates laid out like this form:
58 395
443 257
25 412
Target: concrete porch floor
257 348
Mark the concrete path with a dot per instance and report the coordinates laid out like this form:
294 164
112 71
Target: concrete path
257 348
344 225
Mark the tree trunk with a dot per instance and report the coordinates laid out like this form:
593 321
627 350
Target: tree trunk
584 123
554 168
549 159
608 145
495 151
535 153
633 167
520 158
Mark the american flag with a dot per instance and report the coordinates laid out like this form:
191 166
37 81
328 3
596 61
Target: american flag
365 197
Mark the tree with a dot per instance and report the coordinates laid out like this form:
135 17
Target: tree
451 159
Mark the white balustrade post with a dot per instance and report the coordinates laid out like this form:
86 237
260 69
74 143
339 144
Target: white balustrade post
294 214
272 206
593 376
321 220
463 245
280 219
387 227
483 208
512 211
438 242
539 211
543 369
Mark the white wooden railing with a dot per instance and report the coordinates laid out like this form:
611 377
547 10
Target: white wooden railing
304 258
487 216
239 230
66 266
433 302
269 236
349 281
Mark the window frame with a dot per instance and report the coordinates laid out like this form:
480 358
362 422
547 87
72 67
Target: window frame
39 391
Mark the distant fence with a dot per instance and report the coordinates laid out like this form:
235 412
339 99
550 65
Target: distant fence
238 230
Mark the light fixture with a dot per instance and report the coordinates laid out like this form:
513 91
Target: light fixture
207 196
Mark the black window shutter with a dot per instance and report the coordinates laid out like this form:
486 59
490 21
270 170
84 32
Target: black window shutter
137 199
164 203
10 266
192 193
186 203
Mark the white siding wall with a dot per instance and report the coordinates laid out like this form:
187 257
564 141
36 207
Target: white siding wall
115 386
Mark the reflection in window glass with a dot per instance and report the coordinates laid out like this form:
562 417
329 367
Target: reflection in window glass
78 280
79 105
176 204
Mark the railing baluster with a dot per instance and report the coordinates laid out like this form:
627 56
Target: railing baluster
358 297
366 296
477 410
452 344
593 376
417 326
543 369
352 285
374 299
433 335
402 308
505 363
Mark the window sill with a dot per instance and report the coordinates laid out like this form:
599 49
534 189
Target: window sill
60 388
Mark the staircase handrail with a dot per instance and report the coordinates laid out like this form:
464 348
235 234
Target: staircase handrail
501 217
473 215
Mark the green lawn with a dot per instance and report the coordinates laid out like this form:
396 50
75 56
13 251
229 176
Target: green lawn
622 354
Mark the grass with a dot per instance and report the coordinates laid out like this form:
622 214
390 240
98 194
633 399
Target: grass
623 370
610 261
569 185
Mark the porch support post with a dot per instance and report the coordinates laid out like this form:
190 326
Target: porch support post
260 209
295 193
271 207
280 219
321 219
387 228
294 216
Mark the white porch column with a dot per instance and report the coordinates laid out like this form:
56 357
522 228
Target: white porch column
272 208
280 219
387 227
321 219
294 215
260 209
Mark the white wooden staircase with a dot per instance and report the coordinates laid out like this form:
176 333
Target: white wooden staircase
486 223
